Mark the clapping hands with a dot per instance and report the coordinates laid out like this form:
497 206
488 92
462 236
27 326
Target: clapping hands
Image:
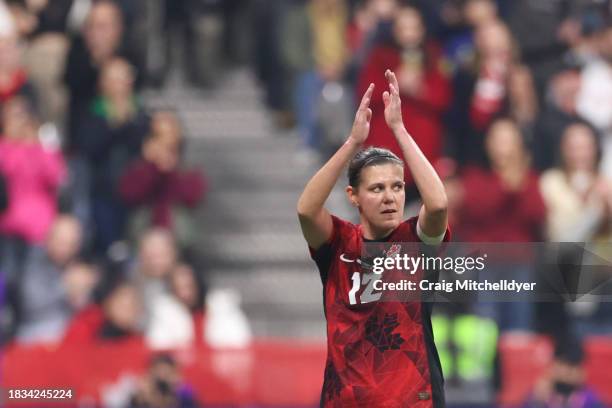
393 103
361 124
393 110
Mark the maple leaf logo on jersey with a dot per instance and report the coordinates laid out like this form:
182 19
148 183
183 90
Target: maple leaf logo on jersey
393 251
381 335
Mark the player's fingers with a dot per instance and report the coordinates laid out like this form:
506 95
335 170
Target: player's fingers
393 79
368 114
394 90
388 76
365 100
386 98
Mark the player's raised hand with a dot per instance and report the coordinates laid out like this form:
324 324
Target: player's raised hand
361 125
393 103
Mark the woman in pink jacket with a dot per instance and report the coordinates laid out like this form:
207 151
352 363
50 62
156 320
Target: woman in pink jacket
33 176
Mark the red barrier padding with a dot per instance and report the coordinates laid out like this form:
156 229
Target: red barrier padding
599 366
270 373
524 358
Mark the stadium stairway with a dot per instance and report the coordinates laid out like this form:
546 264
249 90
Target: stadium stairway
249 235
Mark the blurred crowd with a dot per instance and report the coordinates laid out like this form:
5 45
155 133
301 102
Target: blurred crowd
511 100
97 205
97 211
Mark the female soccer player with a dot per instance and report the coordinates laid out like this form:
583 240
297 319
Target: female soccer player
380 354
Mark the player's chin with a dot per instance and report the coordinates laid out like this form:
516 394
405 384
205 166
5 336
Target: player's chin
387 222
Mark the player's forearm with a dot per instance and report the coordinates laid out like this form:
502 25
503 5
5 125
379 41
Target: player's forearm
321 184
425 177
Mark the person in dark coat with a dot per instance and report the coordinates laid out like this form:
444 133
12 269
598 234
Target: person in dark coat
102 39
110 137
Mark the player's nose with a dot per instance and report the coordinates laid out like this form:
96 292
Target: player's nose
388 196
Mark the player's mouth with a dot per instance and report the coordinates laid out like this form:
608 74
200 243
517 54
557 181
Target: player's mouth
389 211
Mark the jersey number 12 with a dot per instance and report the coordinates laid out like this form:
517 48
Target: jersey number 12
368 294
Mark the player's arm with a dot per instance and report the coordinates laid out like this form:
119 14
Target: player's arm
315 220
433 215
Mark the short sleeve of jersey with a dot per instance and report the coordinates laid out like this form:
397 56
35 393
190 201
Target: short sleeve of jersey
324 255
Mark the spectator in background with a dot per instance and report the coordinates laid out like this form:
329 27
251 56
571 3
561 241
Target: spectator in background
198 26
157 186
563 385
44 16
268 61
495 85
593 20
189 289
503 204
371 24
579 202
13 77
557 27
157 257
79 281
122 309
460 47
101 40
110 137
119 317
314 49
595 96
424 87
578 197
44 308
24 21
7 24
168 321
162 387
44 24
558 113
33 174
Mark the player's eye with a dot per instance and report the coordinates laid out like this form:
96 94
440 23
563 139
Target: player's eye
398 187
377 189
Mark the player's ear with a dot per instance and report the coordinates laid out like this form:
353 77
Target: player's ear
351 193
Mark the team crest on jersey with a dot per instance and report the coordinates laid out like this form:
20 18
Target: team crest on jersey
393 251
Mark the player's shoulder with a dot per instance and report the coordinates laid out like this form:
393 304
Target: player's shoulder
344 227
343 233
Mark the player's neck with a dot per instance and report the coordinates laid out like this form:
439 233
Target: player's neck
371 233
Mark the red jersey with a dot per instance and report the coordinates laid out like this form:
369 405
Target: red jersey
379 354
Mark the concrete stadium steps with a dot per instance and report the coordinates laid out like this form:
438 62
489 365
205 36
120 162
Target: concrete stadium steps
283 302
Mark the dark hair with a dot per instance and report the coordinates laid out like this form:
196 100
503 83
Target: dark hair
594 133
163 358
195 264
109 287
371 156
